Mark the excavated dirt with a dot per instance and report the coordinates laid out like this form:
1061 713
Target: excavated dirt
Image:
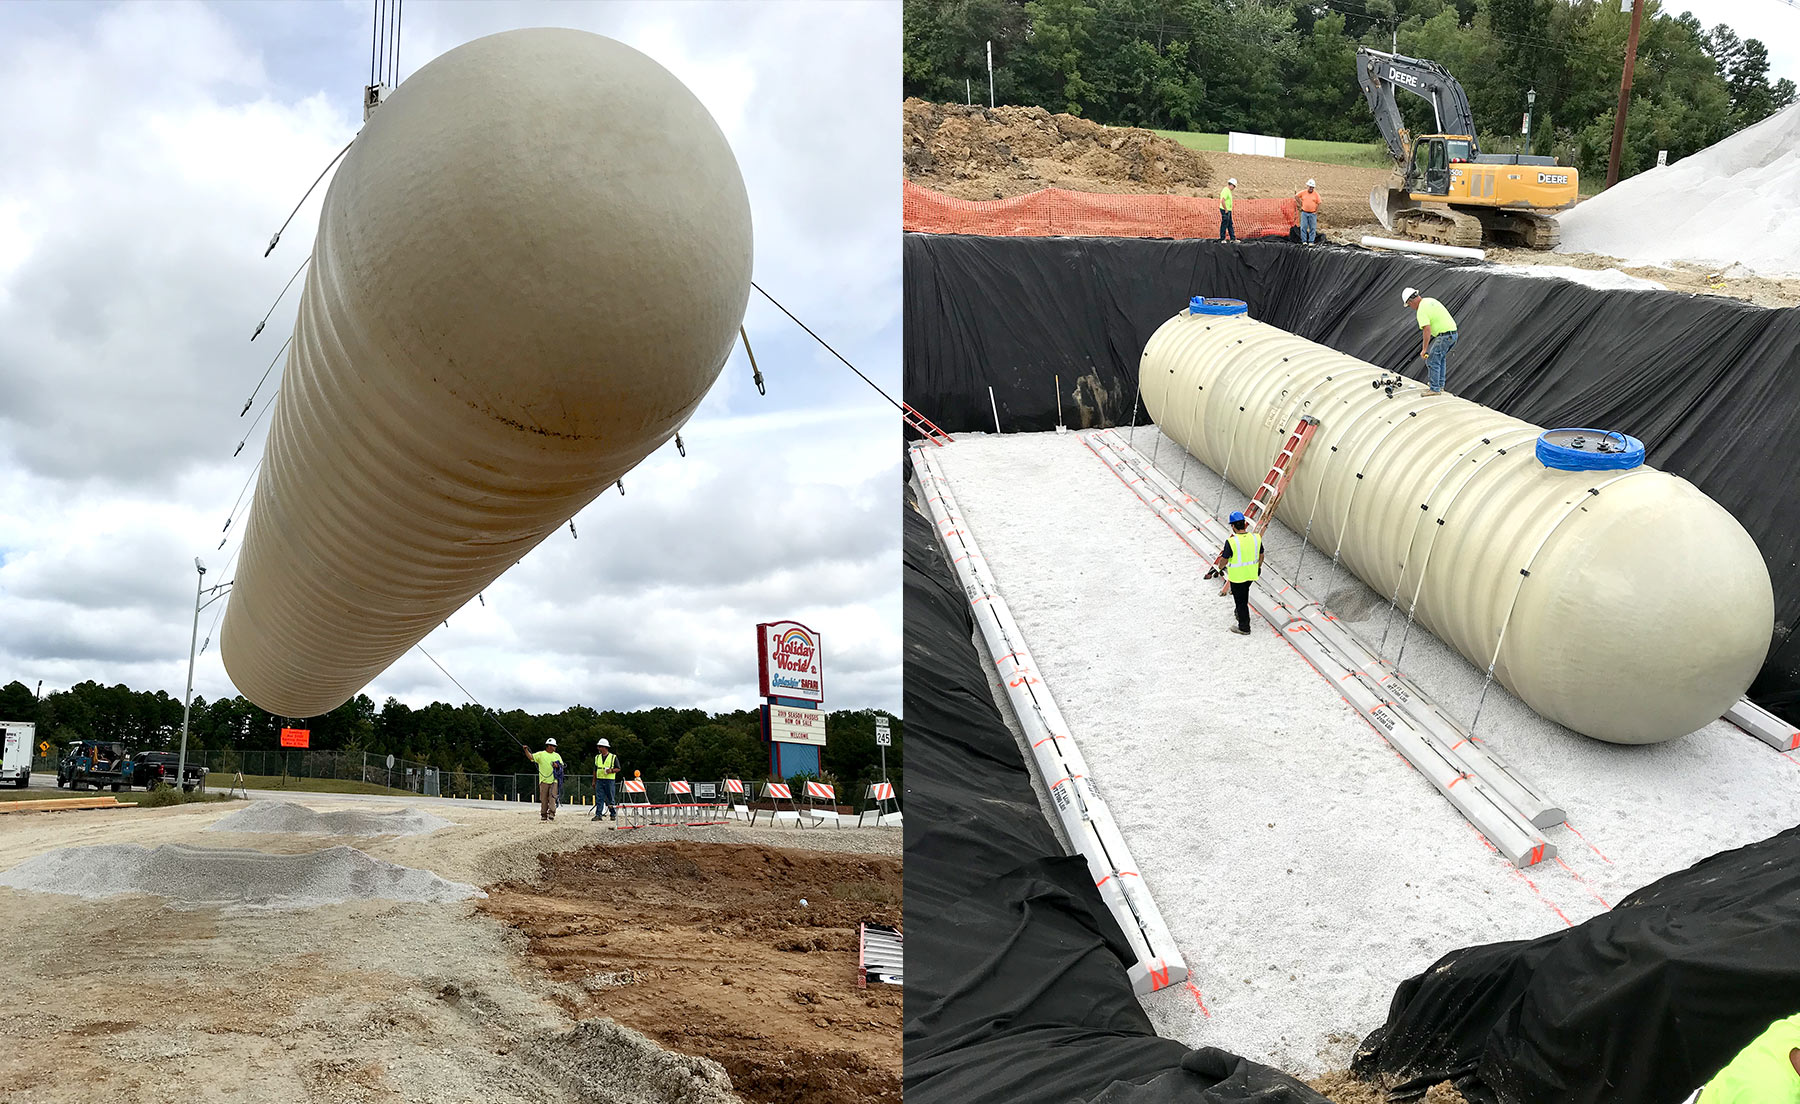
706 949
1341 1087
983 153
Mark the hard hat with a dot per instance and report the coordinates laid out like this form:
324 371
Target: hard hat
1237 516
1311 184
603 743
551 742
1407 295
1232 182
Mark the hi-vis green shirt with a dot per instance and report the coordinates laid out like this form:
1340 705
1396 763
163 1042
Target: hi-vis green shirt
547 762
1433 314
1762 1073
1225 199
1245 549
606 765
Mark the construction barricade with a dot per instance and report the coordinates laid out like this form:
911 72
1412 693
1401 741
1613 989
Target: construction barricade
815 793
775 793
878 797
1056 212
737 802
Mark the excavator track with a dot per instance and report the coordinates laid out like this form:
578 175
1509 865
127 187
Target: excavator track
1436 223
1520 228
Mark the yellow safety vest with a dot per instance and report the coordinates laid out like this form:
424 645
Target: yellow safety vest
1246 549
605 765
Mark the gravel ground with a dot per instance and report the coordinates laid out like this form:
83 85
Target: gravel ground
1304 868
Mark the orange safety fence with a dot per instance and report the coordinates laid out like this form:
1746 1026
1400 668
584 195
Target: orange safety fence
1055 212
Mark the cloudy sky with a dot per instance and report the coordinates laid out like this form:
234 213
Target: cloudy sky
1775 22
165 142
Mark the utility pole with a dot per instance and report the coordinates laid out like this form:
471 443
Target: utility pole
990 46
1618 142
187 701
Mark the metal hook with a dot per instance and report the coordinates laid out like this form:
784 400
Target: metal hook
679 447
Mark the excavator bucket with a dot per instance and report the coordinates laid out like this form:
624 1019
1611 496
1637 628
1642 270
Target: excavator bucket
1385 202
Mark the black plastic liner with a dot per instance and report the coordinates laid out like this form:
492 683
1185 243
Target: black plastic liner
1710 385
1015 983
1641 1004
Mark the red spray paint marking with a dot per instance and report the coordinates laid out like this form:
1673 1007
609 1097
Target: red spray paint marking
1584 839
1198 999
1584 883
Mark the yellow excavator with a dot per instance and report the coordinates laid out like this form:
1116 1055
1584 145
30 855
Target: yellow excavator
1445 190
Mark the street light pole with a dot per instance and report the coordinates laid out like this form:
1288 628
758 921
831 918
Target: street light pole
1530 102
187 701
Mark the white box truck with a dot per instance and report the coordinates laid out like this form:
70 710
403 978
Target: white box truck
16 740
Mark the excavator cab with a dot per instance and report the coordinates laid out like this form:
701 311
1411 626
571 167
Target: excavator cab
1429 172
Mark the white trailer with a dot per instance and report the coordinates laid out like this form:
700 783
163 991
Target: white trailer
16 740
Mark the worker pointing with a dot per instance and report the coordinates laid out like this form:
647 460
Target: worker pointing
1226 233
606 770
1243 555
547 761
1308 201
1438 332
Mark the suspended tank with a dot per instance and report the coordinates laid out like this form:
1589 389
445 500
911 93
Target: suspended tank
1622 603
529 270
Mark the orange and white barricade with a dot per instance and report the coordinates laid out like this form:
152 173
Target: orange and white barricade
635 803
815 793
678 801
775 793
737 801
879 796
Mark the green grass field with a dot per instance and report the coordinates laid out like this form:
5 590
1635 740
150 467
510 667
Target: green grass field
1367 155
139 796
221 781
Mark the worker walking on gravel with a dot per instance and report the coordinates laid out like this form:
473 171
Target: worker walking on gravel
1226 233
606 772
1308 201
547 762
1438 332
1243 555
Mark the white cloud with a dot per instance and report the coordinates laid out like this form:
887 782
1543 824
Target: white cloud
167 141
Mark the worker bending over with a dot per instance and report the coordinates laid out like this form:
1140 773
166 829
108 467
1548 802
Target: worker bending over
1308 202
1243 554
606 771
1439 336
1226 233
547 762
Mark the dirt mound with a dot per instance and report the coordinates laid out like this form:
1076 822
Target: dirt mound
992 153
603 1063
706 949
285 816
246 879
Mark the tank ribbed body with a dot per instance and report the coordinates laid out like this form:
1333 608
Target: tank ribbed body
1625 605
529 270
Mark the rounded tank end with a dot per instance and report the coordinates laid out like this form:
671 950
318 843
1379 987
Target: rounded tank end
1201 304
1588 450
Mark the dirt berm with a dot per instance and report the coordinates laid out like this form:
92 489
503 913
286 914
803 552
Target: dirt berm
993 153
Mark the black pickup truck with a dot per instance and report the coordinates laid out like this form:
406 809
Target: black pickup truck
107 763
152 768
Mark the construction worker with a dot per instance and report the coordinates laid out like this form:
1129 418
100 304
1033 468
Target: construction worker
1243 553
547 763
1308 201
1439 336
1765 1072
1226 233
606 771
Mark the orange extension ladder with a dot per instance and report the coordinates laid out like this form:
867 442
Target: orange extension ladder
1268 495
922 425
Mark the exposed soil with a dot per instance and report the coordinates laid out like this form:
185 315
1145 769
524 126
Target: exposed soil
983 153
706 949
1341 1087
1344 188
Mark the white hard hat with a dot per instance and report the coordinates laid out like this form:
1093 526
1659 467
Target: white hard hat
1232 182
551 742
603 743
1311 184
1407 295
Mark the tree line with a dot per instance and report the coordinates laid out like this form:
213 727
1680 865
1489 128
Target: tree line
661 743
1290 69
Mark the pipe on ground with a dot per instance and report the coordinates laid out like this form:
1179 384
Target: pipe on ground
529 270
1625 605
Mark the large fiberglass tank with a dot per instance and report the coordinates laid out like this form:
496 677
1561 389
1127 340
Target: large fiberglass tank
1622 603
529 270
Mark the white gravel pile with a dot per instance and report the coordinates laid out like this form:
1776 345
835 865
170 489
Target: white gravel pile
285 816
1731 202
1606 279
1303 867
245 879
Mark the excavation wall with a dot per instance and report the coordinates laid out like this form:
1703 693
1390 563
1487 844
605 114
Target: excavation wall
1710 385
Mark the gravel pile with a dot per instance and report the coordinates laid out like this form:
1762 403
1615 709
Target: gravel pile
285 816
246 879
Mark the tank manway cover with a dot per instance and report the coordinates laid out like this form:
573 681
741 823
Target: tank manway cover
1588 450
1200 304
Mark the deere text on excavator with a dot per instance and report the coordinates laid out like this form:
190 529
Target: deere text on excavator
1445 189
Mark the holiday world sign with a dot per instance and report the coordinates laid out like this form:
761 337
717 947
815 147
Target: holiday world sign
789 661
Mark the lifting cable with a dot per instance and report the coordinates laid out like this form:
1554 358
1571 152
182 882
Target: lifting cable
265 375
278 298
465 691
309 191
384 43
259 417
828 347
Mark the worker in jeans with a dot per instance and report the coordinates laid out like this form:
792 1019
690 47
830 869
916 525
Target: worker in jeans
606 771
1438 332
1226 233
1243 554
1308 201
547 762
